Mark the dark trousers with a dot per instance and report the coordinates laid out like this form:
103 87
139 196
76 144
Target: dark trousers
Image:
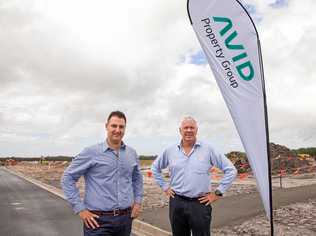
111 226
188 216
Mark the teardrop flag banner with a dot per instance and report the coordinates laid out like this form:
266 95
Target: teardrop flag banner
231 44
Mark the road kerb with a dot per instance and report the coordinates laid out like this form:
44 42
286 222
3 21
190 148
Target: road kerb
140 228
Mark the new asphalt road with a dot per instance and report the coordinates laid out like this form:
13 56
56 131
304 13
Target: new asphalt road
237 209
27 210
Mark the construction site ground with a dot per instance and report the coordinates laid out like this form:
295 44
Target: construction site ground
240 212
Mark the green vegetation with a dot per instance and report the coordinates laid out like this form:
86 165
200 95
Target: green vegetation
310 151
47 158
62 158
142 157
236 157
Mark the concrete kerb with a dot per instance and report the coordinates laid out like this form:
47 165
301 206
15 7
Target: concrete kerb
144 229
140 228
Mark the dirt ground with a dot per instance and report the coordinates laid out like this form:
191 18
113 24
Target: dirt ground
298 219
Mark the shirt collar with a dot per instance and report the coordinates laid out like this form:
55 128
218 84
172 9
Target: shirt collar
106 147
197 143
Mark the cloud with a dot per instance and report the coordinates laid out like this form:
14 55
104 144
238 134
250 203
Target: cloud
65 65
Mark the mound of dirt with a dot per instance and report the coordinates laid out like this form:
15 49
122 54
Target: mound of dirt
283 161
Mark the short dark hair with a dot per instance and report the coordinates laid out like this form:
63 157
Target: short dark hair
118 114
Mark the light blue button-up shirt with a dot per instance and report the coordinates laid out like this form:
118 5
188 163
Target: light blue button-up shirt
112 180
190 175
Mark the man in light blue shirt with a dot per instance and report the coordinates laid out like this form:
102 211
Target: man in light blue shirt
113 183
190 190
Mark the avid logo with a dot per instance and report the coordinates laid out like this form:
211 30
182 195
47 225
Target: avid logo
244 69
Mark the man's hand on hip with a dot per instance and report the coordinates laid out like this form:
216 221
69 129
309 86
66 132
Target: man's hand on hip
170 193
135 210
209 198
88 219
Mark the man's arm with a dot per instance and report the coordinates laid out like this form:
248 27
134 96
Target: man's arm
160 163
77 168
230 172
222 162
137 182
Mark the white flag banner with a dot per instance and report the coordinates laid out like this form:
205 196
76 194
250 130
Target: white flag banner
230 42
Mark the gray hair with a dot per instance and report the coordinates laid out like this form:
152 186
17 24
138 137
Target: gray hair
187 118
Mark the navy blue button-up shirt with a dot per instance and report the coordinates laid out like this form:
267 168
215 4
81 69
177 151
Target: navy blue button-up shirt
112 180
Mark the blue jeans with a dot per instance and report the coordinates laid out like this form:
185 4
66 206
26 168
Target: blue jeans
111 226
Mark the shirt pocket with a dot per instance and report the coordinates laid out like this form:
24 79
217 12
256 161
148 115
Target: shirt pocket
177 165
201 168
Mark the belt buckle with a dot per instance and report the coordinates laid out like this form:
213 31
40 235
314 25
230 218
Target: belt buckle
116 212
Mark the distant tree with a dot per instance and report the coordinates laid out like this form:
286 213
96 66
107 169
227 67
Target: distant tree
309 150
58 158
143 157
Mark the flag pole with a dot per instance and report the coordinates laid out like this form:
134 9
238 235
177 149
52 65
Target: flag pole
266 123
267 138
265 114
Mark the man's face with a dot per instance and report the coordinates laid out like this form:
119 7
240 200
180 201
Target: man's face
188 130
115 128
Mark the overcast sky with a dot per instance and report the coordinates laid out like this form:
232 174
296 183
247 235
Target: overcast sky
64 65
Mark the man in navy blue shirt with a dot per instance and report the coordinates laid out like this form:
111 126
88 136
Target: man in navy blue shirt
190 189
113 183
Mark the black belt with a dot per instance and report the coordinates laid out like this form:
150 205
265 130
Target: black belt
187 198
116 212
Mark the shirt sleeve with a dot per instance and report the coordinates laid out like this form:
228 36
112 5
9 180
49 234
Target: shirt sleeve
160 163
78 167
222 162
137 182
